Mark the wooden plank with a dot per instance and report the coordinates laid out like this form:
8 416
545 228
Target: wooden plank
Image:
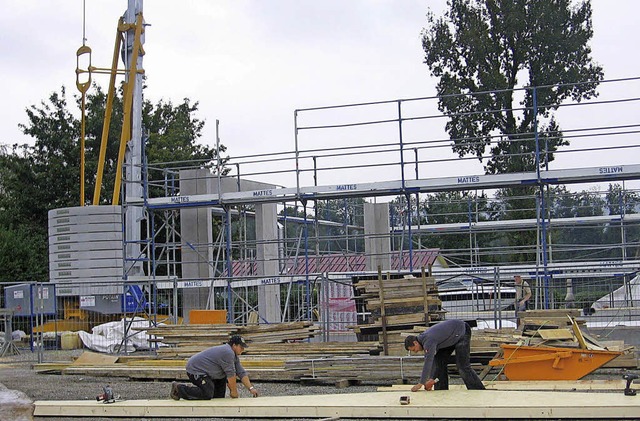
461 404
562 312
555 334
488 367
542 385
578 333
173 373
93 358
371 286
425 304
407 301
593 343
50 368
370 369
383 314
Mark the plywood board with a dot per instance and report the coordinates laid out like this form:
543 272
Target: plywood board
463 404
543 385
555 334
93 358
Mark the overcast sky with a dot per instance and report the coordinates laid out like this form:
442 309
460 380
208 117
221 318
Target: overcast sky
251 63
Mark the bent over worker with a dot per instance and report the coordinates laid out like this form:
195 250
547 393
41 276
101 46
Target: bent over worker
212 371
438 343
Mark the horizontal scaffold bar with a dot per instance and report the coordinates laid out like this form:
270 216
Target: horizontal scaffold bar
387 188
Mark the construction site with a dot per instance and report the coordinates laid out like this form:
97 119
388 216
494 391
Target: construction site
324 258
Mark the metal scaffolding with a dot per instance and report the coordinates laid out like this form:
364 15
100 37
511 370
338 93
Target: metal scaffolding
379 152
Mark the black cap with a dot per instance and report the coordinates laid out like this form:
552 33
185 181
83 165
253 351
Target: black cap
237 340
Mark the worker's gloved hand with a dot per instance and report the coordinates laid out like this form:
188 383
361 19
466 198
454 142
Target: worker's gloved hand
429 384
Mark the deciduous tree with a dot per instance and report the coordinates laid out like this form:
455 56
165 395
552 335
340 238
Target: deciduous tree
481 51
37 178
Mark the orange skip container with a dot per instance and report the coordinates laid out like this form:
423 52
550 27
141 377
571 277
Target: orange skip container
548 363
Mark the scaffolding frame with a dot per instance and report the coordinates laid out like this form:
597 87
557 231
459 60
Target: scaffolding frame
390 160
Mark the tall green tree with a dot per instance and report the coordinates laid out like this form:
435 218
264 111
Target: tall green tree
497 46
294 230
173 131
43 176
496 59
450 207
46 175
340 238
612 238
172 139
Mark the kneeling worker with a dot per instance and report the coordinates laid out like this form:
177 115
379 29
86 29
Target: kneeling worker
438 343
212 371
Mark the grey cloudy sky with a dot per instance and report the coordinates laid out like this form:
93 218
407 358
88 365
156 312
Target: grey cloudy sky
251 63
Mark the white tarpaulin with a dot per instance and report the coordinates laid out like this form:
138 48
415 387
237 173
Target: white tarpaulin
108 337
492 324
627 295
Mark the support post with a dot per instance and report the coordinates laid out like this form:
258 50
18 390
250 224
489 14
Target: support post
383 312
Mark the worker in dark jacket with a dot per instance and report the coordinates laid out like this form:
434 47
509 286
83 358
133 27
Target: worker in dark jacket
212 371
438 343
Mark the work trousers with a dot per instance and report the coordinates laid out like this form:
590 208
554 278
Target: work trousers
463 362
204 388
522 307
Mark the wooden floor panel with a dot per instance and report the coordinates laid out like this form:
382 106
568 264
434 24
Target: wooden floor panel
454 404
541 385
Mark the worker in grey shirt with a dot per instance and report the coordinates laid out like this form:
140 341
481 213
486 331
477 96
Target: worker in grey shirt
438 343
212 371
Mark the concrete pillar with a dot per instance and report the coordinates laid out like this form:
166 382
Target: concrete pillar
377 244
267 261
196 231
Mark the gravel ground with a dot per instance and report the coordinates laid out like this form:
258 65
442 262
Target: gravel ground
16 374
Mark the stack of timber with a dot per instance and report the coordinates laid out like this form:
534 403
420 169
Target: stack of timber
180 335
372 369
400 367
151 368
278 333
186 340
549 319
284 340
263 361
489 340
396 305
283 351
315 349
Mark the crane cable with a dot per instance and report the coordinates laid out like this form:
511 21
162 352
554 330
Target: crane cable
83 86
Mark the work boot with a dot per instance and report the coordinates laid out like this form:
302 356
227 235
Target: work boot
175 392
